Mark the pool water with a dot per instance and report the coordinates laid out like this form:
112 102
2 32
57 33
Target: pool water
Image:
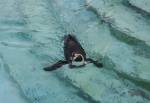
114 32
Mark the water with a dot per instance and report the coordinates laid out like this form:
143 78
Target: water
110 31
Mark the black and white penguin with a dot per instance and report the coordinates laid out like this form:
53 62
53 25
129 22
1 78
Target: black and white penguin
73 52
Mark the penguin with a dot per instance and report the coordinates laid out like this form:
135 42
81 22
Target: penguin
73 52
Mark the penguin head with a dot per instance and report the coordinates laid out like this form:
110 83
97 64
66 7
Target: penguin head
76 57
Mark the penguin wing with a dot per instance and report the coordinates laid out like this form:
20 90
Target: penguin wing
96 63
55 66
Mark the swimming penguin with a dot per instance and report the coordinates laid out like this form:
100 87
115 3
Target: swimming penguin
73 52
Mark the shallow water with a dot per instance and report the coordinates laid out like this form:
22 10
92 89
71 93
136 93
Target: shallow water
114 32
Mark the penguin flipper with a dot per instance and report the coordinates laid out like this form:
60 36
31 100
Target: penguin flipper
96 63
55 66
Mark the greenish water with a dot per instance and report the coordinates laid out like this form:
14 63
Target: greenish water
114 32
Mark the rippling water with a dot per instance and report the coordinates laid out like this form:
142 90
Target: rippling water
115 32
